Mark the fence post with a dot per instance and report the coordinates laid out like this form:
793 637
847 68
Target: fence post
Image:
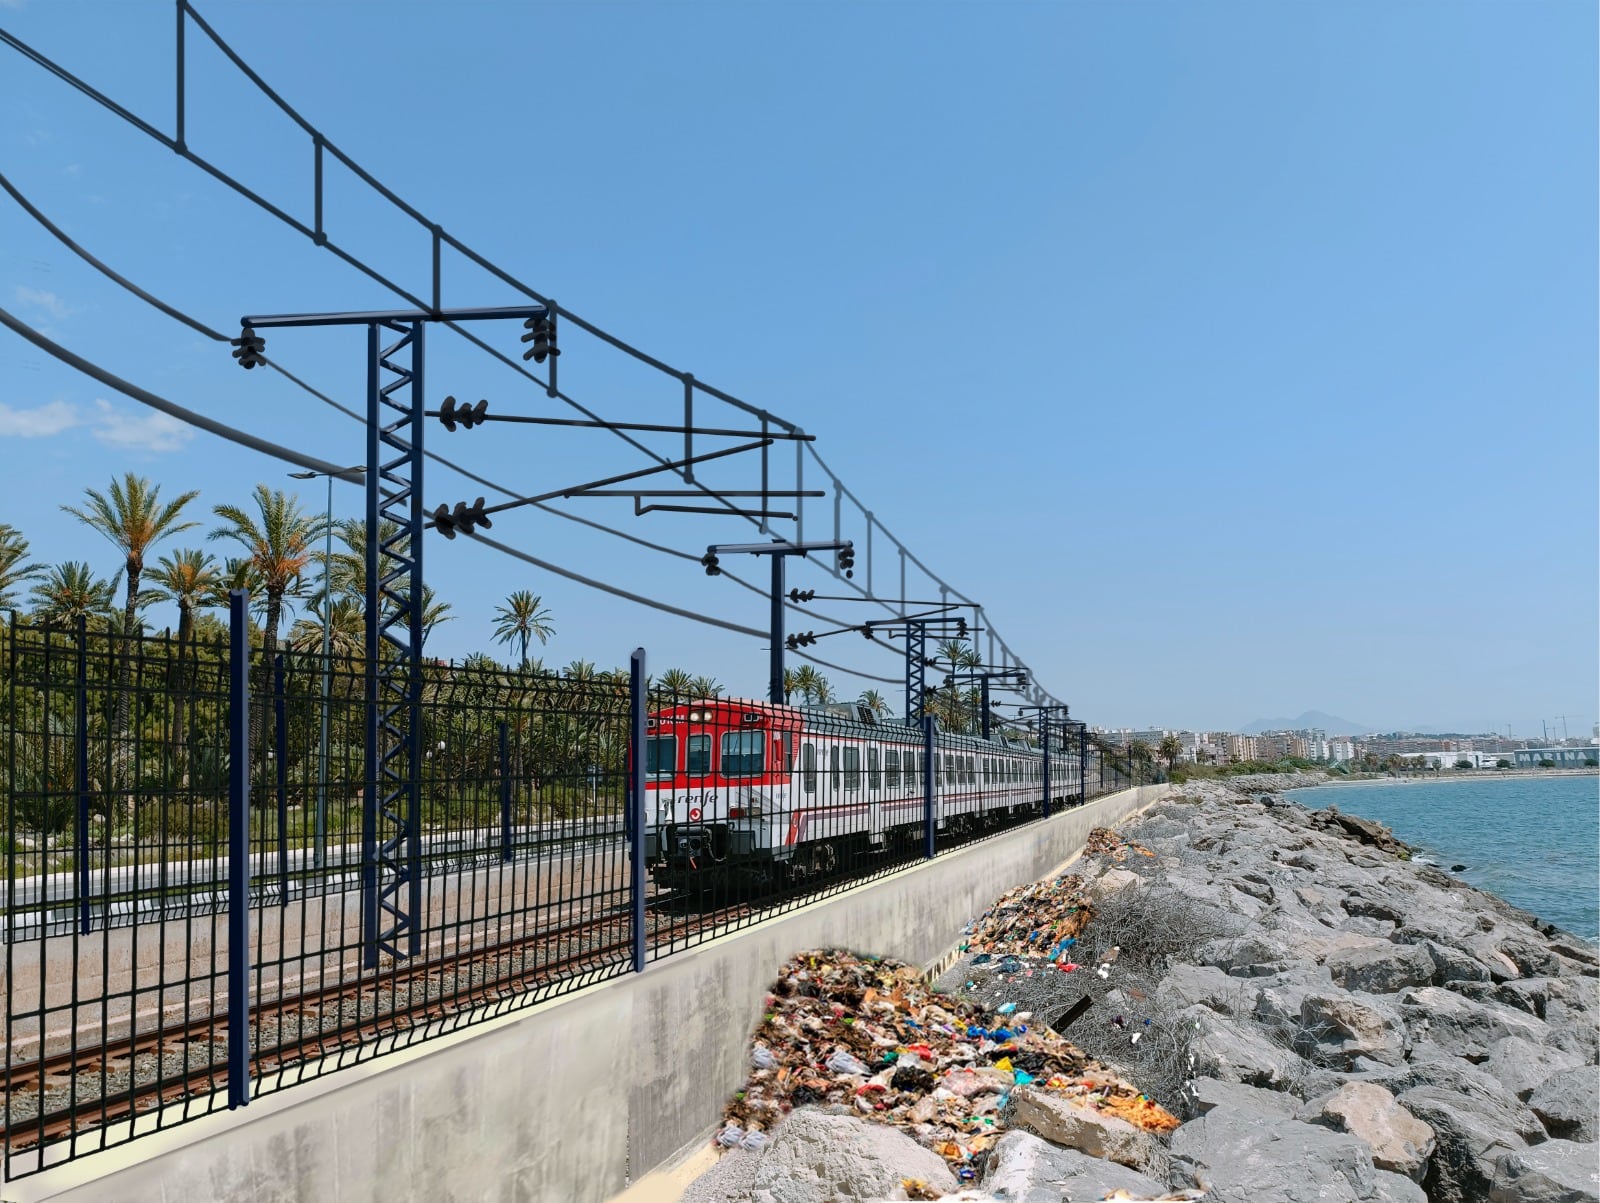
81 859
238 848
505 792
1045 742
1083 765
281 754
635 801
929 785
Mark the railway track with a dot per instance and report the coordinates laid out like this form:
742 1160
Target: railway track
416 996
186 1060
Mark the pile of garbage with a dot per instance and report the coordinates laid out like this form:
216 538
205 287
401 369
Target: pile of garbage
1040 919
1105 842
871 1037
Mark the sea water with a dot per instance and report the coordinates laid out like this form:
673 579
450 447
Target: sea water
1534 841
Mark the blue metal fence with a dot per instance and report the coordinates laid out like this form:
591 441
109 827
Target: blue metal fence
190 895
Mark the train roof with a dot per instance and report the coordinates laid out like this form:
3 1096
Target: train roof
732 712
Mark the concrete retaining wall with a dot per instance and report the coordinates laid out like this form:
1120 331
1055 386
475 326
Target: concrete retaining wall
566 1101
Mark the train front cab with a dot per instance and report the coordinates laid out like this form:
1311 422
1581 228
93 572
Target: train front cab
717 776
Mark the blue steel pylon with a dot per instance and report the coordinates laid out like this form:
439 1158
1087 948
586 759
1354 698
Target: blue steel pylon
916 669
391 877
391 869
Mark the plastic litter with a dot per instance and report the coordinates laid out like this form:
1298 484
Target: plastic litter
872 1037
842 1062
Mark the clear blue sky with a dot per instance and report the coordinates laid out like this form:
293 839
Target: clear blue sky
1241 358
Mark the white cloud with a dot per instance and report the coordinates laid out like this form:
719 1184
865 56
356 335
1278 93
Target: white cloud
147 432
37 297
40 423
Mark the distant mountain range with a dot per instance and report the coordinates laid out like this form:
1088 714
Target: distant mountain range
1310 720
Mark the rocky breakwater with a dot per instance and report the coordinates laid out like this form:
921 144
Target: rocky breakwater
1232 996
1351 1025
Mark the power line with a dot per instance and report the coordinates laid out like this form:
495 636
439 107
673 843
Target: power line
202 328
440 238
322 467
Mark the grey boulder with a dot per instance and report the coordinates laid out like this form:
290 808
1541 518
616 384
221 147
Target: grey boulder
1239 1156
1393 1188
1558 1171
1024 1169
1568 1104
1381 968
1520 1065
1462 1026
1474 1130
1068 1123
814 1155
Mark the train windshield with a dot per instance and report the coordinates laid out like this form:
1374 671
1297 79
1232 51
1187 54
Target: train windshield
661 755
742 753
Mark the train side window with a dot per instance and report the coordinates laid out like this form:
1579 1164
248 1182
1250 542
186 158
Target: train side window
833 767
786 765
852 770
874 782
891 769
699 760
948 764
743 753
661 755
808 767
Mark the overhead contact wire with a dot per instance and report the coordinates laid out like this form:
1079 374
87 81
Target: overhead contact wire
320 238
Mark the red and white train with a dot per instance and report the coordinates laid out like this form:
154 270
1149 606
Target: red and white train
785 793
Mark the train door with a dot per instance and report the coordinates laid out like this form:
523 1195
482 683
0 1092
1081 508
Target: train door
874 796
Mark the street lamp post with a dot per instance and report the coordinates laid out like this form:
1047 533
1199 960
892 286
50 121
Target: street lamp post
319 853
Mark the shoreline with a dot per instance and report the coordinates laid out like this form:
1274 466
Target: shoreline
1321 1017
1453 776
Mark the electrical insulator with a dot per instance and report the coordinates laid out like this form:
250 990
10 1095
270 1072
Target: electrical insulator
463 518
847 559
248 348
452 413
802 595
541 333
713 566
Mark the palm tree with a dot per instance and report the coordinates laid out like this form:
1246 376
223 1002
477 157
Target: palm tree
347 628
674 685
277 549
706 687
521 618
874 701
192 580
434 612
131 515
70 591
14 568
805 682
1139 754
1170 748
790 682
